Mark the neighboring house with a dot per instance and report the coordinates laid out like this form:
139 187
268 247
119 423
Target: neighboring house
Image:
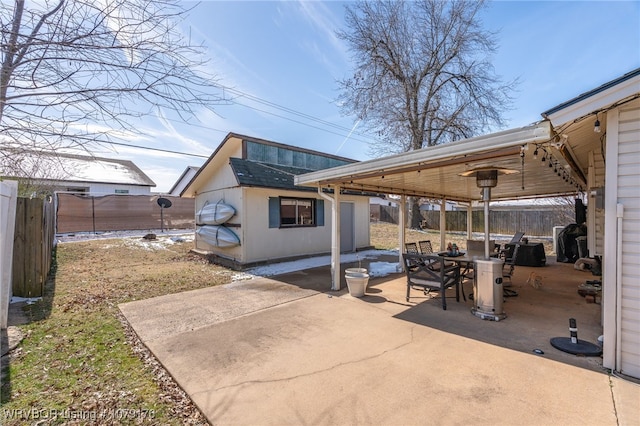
274 219
53 172
386 201
383 209
587 145
183 181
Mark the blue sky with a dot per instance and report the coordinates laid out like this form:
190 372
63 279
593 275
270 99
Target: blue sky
286 55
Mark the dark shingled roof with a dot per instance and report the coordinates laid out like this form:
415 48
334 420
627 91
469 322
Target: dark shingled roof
252 173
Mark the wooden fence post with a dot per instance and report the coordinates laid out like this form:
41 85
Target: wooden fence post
33 245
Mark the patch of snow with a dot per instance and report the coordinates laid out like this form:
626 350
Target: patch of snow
167 236
376 269
149 245
382 269
29 300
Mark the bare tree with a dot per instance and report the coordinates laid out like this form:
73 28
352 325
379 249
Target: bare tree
565 208
422 74
74 72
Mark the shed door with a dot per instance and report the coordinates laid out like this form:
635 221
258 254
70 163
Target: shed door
347 228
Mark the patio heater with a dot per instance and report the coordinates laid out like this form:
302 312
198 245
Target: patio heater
487 282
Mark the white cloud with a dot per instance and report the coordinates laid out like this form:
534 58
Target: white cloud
326 22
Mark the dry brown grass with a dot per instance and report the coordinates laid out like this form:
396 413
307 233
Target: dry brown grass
79 355
385 236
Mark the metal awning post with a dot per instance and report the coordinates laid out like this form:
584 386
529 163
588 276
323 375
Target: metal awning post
443 223
335 235
401 229
470 221
335 240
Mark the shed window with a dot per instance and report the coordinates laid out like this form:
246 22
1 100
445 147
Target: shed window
297 212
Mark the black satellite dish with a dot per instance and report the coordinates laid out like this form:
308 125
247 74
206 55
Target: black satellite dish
164 203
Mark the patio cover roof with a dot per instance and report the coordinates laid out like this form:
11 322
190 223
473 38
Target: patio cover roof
434 172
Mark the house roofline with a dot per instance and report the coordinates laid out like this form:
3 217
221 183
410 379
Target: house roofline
243 137
85 182
146 180
184 173
593 92
289 147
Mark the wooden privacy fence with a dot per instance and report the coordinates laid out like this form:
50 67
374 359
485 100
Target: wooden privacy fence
32 246
381 213
531 222
86 213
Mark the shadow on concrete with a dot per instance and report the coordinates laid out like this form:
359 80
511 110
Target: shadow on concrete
534 316
319 278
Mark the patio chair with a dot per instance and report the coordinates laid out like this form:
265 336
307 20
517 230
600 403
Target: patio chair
517 237
507 271
411 248
504 251
425 247
428 272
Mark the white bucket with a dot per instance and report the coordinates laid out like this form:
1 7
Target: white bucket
351 271
357 283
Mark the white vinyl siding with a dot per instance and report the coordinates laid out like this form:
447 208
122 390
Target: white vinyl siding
629 197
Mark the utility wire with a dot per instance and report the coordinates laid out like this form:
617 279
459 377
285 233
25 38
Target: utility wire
288 110
157 149
349 132
299 122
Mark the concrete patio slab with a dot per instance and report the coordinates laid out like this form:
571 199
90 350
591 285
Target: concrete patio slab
175 314
268 352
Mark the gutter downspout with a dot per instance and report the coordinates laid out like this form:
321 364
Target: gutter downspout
335 236
619 216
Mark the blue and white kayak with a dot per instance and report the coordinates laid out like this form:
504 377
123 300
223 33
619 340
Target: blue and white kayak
218 236
215 214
